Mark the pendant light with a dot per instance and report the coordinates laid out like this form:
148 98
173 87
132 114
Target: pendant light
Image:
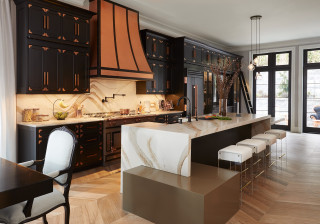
254 62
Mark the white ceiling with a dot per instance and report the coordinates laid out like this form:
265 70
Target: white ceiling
228 21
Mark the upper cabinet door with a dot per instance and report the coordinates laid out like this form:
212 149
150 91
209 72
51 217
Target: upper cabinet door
66 71
50 67
83 31
53 24
81 65
69 28
36 75
37 20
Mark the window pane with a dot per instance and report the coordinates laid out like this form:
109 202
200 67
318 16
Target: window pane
313 56
262 60
313 98
262 94
282 96
282 59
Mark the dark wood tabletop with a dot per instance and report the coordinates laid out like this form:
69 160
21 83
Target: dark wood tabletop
18 183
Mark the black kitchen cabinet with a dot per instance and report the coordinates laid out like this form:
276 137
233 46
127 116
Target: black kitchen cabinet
156 45
159 52
66 70
32 144
159 83
192 53
44 22
47 32
45 77
81 68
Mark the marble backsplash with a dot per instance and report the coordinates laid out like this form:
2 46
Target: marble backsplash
100 88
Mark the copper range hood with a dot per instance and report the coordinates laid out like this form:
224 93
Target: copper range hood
116 50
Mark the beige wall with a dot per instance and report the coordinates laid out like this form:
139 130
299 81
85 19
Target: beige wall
92 103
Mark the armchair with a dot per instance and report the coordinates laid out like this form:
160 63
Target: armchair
58 164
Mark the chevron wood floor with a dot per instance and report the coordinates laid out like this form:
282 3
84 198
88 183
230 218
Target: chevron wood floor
287 195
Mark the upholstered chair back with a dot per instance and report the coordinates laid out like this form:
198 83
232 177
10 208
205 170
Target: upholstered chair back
60 149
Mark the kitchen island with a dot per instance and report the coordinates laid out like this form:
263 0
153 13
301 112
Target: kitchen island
169 172
172 147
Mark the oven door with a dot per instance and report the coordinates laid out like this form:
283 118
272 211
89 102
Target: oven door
112 144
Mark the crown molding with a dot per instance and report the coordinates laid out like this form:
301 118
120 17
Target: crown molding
149 23
289 43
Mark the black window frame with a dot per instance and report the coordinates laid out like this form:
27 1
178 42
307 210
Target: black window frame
271 69
306 67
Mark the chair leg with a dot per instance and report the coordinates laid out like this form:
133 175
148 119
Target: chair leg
67 213
44 219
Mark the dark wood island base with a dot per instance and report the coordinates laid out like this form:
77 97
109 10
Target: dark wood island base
210 195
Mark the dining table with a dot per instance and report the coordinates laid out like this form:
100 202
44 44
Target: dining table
19 184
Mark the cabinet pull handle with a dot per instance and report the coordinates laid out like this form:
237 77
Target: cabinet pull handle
47 78
154 49
78 79
45 22
75 29
48 26
168 50
194 53
154 84
44 78
75 80
78 29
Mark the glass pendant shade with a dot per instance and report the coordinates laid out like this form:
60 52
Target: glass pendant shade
255 61
251 66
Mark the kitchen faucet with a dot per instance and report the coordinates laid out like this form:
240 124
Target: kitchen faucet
188 106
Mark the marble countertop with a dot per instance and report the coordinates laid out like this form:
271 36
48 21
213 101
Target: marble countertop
92 119
203 127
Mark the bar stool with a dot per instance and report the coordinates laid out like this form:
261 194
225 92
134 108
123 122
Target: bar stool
257 147
238 155
269 140
280 134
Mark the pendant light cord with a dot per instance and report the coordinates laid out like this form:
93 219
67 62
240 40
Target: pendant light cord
251 42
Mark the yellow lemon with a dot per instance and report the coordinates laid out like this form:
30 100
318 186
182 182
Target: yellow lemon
62 105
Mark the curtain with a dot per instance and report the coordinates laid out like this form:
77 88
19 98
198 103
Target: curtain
7 86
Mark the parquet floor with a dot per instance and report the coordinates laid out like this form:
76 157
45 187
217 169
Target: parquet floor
287 195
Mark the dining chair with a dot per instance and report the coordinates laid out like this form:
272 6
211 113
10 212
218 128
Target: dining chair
58 164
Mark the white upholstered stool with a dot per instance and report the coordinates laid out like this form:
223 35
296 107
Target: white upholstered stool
238 155
269 140
257 146
280 134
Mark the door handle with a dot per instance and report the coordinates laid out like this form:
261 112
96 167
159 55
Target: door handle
78 79
75 80
47 78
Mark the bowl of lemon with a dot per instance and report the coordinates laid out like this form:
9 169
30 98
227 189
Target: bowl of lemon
60 115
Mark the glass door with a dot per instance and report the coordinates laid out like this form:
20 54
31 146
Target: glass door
311 91
262 94
271 87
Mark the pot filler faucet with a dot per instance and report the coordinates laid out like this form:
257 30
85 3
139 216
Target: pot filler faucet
188 106
111 97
